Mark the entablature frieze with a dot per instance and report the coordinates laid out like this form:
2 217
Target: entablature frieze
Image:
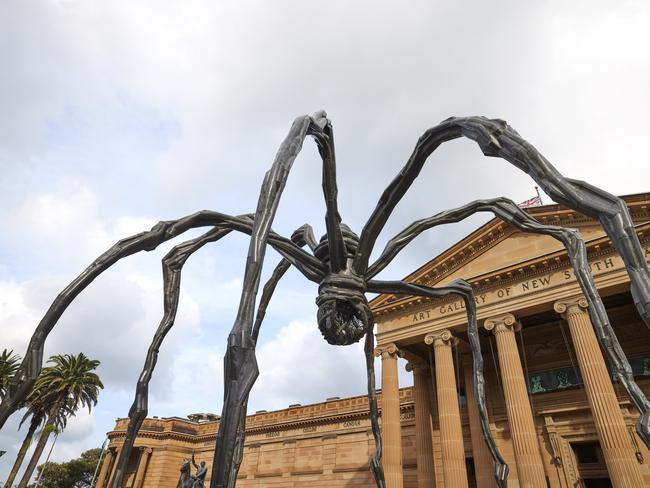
519 272
411 320
345 422
496 231
348 425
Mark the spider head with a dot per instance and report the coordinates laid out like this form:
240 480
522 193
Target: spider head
343 312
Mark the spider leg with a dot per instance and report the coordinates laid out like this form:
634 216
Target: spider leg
496 138
23 381
509 212
375 461
240 364
324 136
269 288
464 290
172 266
302 236
391 196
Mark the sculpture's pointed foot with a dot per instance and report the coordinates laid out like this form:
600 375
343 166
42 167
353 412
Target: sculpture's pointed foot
501 475
643 428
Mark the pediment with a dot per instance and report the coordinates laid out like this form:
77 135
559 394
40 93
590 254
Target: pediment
496 245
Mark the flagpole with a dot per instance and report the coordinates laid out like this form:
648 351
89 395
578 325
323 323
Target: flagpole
539 196
47 459
101 455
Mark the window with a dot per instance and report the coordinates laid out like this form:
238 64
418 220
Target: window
587 452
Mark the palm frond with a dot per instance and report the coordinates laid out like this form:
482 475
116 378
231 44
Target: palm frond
9 364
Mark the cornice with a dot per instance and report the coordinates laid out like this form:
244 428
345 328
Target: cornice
287 423
495 231
117 435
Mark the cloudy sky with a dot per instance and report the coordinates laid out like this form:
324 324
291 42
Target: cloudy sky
114 115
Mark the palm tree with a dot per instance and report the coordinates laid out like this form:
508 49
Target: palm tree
37 413
9 363
64 387
37 410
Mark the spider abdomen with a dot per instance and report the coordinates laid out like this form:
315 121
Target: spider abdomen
343 312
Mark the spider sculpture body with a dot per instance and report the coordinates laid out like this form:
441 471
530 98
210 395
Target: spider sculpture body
339 263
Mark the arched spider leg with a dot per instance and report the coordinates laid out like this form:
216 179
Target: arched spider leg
375 460
172 266
240 365
509 212
464 290
496 138
23 381
324 136
304 235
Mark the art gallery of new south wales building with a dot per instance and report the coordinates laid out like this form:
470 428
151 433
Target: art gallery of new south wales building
557 415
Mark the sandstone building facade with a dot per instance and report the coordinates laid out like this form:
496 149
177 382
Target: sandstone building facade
556 414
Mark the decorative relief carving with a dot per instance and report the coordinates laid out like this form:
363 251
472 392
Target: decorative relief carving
547 346
554 380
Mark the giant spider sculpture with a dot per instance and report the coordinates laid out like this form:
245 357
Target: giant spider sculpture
339 263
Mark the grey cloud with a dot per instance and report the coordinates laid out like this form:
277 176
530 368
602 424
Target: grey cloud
298 366
235 77
113 321
230 77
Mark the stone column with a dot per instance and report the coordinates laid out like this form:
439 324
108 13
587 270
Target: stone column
391 431
530 467
483 463
111 472
451 433
614 439
142 467
107 464
423 444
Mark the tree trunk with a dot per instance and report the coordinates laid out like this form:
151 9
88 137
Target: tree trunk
42 440
21 453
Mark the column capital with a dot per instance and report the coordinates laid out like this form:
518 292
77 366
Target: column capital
387 350
501 323
440 338
417 366
571 305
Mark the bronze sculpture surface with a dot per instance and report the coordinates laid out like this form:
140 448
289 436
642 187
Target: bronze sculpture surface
189 480
340 264
199 477
184 480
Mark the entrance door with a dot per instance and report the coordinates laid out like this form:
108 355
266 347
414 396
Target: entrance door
591 464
